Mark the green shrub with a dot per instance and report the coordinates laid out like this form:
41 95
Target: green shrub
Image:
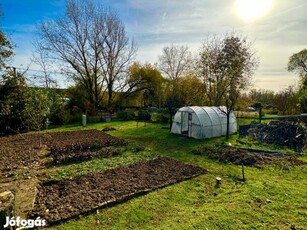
75 118
159 117
60 117
14 95
143 115
125 116
272 111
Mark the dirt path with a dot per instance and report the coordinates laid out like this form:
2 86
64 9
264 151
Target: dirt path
25 193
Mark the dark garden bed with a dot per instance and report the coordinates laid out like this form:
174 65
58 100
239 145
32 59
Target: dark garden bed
79 146
18 152
24 151
61 200
247 157
81 141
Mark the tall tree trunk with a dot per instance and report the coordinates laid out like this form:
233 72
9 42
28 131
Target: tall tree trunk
110 94
97 99
170 121
227 128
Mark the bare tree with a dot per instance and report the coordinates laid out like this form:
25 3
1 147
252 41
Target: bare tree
92 41
42 59
226 66
208 70
175 61
117 54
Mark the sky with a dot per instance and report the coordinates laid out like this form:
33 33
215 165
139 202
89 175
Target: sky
276 34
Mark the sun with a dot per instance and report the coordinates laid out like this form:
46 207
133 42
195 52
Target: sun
251 9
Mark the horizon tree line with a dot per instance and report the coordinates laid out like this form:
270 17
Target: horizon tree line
92 46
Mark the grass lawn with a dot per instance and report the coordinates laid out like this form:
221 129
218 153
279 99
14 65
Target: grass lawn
273 197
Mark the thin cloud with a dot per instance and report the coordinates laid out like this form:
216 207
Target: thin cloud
155 24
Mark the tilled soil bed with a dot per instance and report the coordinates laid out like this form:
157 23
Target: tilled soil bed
22 151
81 140
18 152
73 147
248 157
61 200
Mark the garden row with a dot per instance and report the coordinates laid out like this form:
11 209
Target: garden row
79 146
248 157
61 200
23 151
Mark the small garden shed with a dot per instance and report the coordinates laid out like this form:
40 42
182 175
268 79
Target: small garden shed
203 122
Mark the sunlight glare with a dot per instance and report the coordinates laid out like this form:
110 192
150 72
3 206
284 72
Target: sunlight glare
250 9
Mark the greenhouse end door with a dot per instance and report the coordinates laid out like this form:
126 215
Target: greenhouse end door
186 123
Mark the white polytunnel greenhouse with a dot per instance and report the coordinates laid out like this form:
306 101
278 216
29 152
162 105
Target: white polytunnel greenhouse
203 122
